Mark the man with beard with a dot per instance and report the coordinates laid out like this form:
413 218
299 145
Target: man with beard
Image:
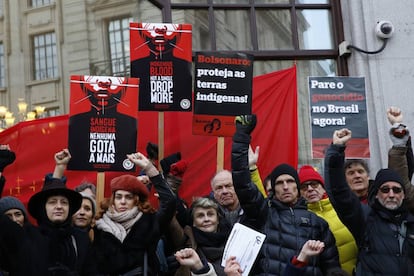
384 234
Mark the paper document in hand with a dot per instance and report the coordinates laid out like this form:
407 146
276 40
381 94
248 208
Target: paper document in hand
244 243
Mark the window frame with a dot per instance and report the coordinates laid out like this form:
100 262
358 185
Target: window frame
51 62
337 28
125 55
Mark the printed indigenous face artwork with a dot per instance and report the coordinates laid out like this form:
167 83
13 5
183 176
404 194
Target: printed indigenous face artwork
161 56
104 92
161 38
102 122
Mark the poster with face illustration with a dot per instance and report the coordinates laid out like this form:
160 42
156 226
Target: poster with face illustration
161 56
102 122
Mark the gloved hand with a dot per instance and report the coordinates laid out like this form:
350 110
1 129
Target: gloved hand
6 158
399 135
245 123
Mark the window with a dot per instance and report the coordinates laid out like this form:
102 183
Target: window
278 33
2 67
39 3
45 56
1 8
119 46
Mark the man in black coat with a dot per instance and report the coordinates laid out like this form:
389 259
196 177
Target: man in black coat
383 230
284 218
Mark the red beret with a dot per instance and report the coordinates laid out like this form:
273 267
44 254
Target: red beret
129 183
307 173
178 168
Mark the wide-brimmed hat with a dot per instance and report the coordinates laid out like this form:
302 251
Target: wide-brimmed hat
36 205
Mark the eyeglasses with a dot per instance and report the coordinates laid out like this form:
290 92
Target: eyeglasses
386 190
313 184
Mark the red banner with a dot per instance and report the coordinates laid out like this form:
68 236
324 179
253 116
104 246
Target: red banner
274 102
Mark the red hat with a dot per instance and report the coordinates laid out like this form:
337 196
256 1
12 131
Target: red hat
307 173
129 183
178 168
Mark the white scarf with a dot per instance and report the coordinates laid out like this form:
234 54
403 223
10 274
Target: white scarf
118 224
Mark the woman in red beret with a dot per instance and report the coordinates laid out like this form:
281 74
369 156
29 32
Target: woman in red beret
128 227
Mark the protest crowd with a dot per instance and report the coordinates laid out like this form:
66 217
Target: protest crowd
335 222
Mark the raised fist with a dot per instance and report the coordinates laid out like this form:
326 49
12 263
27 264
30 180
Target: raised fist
245 123
6 158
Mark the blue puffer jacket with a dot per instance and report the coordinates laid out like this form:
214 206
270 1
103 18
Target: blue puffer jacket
286 228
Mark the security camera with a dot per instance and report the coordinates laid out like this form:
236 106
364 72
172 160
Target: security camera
384 29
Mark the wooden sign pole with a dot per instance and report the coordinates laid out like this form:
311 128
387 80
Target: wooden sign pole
220 153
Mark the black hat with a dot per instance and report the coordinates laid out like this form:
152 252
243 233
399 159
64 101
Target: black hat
36 205
284 169
383 175
168 161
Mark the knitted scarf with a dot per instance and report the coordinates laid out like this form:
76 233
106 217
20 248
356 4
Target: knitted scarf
118 223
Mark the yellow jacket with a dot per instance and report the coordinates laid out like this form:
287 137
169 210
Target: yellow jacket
345 242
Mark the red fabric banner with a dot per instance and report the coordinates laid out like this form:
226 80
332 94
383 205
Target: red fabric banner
274 102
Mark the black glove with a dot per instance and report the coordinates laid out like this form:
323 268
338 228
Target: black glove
6 158
245 124
152 151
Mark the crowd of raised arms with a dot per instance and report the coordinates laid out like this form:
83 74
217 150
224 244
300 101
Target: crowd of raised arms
335 222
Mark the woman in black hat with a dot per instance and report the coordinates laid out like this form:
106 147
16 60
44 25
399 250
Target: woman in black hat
54 247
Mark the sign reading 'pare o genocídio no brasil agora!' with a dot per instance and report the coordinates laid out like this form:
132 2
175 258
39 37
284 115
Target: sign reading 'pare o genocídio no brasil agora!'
336 103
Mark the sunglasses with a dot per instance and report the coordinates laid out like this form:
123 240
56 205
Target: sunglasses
386 190
313 184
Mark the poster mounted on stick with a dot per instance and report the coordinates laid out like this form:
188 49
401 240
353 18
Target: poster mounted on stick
335 103
102 123
222 90
161 57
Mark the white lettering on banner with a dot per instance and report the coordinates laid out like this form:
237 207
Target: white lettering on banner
338 109
213 97
224 73
161 91
326 84
102 148
343 109
211 85
323 122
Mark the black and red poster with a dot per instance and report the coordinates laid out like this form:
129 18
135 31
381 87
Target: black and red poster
336 103
222 90
102 122
161 57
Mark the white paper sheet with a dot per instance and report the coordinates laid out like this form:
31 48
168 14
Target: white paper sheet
244 243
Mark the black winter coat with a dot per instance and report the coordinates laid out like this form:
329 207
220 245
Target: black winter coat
378 232
115 257
45 250
286 228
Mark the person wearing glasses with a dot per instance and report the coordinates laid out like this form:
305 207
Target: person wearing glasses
384 232
313 190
